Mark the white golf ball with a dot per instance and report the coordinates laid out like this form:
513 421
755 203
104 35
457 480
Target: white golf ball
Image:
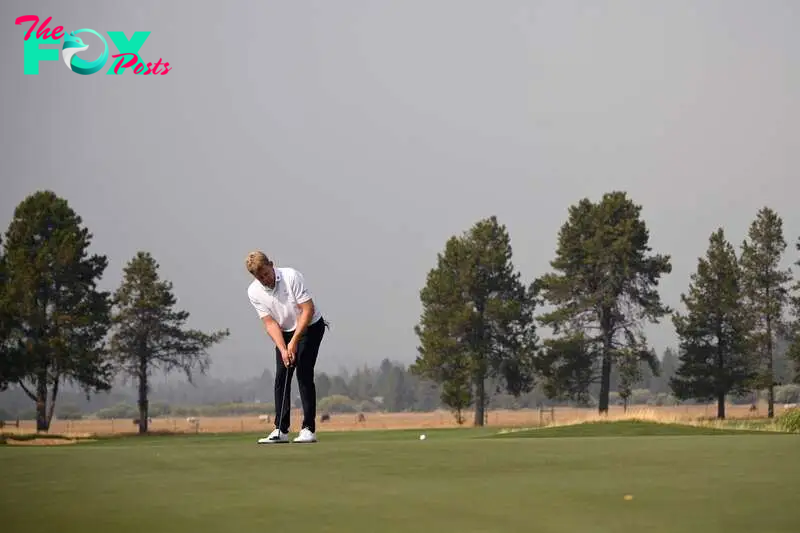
422 437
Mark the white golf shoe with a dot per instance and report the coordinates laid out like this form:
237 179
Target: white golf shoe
275 437
306 435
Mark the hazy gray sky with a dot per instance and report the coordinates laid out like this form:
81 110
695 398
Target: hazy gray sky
336 136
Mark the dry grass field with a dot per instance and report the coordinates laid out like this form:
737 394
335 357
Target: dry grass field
438 419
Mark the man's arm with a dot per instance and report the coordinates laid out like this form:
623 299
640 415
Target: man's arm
274 331
306 313
304 300
272 327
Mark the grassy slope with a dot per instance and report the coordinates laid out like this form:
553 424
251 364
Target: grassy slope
390 481
626 428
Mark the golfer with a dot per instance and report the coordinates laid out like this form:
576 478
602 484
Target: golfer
293 321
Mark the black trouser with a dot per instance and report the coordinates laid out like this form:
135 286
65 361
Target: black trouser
305 360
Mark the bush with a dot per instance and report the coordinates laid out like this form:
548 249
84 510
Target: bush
69 412
662 398
337 404
121 410
789 420
366 407
27 414
639 397
157 409
787 393
184 411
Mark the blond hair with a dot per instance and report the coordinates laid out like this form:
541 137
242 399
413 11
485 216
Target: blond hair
256 261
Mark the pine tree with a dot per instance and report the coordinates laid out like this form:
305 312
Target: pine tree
567 366
477 320
631 371
766 287
667 367
714 359
604 287
792 332
10 363
149 333
55 318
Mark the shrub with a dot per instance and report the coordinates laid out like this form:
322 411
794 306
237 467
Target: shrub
639 397
366 406
787 393
121 410
662 398
337 404
158 409
27 414
69 412
184 411
789 420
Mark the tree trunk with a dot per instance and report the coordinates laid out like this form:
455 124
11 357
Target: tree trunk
143 404
480 392
42 423
605 376
480 344
770 392
52 409
720 374
605 381
770 373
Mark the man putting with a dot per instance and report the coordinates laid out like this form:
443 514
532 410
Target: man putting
295 324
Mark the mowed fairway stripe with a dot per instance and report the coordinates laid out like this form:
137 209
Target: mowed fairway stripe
386 482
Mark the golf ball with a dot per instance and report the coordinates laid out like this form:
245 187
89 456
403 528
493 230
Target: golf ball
422 437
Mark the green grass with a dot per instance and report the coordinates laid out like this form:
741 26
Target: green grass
626 428
456 480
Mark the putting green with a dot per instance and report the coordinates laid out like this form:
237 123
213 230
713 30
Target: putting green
626 428
391 481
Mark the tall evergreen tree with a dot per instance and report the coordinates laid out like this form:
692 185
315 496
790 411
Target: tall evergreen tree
567 367
667 367
766 287
477 320
631 372
605 284
793 327
149 333
56 319
10 363
714 331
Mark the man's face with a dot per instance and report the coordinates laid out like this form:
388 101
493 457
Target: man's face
266 275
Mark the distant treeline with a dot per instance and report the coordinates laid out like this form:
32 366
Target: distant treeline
487 339
387 387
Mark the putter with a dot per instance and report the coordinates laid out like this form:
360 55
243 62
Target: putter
285 394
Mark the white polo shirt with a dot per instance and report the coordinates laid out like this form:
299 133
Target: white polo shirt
282 302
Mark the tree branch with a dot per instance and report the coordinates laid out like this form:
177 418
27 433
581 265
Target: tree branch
25 389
